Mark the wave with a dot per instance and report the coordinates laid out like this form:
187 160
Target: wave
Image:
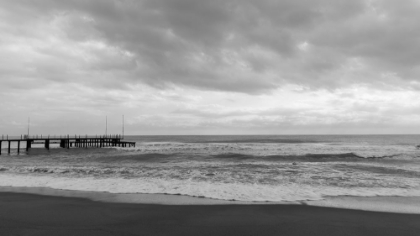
279 150
224 191
146 157
228 176
340 156
67 170
230 141
291 157
231 156
307 157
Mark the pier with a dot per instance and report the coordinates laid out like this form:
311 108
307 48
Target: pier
66 141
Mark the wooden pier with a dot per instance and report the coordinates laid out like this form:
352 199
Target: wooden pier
66 141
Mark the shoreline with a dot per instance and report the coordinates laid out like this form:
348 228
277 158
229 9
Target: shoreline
390 204
134 198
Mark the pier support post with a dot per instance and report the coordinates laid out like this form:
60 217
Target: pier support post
18 146
8 149
0 146
62 143
47 144
28 144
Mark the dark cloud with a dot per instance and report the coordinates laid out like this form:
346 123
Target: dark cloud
243 46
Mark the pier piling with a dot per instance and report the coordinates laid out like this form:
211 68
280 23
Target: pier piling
28 144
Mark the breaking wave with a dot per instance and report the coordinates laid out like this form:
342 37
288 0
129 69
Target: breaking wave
242 181
235 168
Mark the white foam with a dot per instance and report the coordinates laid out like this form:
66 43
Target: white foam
244 177
408 205
224 191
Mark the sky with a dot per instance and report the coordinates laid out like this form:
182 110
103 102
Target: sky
210 67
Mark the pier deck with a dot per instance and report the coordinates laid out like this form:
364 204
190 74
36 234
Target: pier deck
66 141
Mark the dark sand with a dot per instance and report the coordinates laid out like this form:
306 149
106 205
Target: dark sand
30 214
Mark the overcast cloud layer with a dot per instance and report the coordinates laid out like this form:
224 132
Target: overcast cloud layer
210 67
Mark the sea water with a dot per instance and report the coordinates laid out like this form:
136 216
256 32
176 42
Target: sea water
242 168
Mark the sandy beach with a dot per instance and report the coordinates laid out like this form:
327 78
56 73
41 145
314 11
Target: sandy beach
26 213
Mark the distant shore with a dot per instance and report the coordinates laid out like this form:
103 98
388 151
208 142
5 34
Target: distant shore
43 214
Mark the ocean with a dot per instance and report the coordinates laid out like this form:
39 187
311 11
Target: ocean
243 168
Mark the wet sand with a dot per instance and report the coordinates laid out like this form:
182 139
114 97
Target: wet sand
33 214
393 204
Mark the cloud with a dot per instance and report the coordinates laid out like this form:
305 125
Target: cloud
242 46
